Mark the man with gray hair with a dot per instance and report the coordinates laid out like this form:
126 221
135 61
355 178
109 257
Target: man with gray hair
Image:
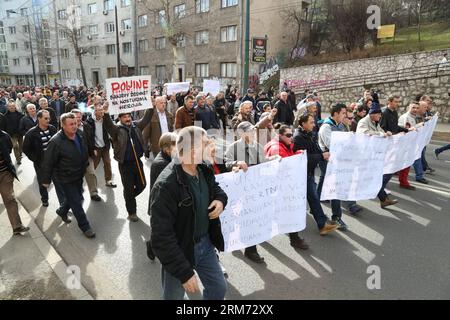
244 153
186 203
244 115
204 114
43 104
29 121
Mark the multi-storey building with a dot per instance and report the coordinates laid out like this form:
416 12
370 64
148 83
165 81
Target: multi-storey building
183 40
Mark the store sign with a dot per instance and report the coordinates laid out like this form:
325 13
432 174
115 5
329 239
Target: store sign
259 50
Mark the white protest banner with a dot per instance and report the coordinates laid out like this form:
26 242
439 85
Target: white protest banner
355 168
267 200
173 88
211 86
401 152
130 94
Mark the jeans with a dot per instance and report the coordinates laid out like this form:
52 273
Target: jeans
73 199
208 270
348 204
335 204
425 165
382 195
42 190
314 202
418 168
133 183
442 149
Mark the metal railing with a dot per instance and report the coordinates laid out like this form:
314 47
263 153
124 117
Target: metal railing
405 74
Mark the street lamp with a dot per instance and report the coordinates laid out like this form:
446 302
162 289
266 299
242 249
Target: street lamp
31 45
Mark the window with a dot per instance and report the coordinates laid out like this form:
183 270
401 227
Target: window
64 53
124 3
46 35
111 72
143 71
25 29
79 74
12 30
110 49
202 70
180 10
201 6
66 73
143 45
228 34
92 8
142 21
160 43
229 3
108 5
160 17
48 61
201 37
110 27
28 61
23 12
16 62
126 24
46 43
160 73
27 45
14 46
181 41
62 34
126 47
93 29
62 14
94 50
228 70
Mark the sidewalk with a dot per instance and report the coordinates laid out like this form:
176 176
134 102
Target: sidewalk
30 268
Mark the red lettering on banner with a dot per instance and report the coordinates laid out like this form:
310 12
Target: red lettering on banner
131 85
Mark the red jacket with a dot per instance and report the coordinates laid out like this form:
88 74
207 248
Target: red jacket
275 147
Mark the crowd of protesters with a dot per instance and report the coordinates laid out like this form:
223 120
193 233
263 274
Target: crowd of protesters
67 132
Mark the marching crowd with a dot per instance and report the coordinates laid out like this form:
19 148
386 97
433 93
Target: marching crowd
66 133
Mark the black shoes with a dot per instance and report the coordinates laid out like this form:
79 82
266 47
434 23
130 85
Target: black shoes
89 234
96 198
65 218
150 253
254 256
45 203
20 230
423 181
341 224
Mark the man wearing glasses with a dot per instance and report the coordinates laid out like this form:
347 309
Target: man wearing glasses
34 146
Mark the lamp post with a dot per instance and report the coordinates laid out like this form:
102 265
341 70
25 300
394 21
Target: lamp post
31 45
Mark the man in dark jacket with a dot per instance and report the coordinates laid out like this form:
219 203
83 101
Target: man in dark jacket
29 121
65 162
7 175
167 146
250 96
204 114
285 115
100 142
129 147
11 125
304 140
43 104
186 203
58 105
34 145
72 104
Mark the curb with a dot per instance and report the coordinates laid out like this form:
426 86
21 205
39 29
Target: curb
51 256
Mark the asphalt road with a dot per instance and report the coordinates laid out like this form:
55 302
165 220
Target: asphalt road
408 243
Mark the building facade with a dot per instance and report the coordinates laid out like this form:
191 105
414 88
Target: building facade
171 40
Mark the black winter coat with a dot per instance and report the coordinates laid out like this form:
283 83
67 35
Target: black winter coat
91 122
26 123
11 123
284 114
173 219
305 141
62 160
32 144
5 149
